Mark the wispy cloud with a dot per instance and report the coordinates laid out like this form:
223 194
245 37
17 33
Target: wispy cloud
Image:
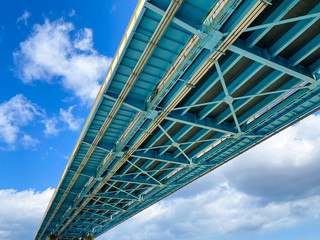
67 117
18 113
51 126
24 17
49 54
65 120
72 13
29 142
21 210
113 8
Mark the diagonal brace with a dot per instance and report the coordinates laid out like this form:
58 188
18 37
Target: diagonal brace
176 20
207 123
261 55
130 103
166 157
136 180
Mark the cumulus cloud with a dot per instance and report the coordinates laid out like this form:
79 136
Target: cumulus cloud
49 54
275 184
15 114
284 167
24 17
21 212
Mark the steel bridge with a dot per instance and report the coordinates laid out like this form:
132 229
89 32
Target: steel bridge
192 85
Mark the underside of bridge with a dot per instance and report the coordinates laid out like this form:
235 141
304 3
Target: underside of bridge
192 85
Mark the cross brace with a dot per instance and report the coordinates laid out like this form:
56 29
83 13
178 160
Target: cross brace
135 180
166 157
193 120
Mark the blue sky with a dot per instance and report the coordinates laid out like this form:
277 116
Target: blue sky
54 56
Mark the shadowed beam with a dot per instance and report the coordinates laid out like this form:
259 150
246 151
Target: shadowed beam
136 180
296 31
88 216
261 55
305 51
276 23
277 14
122 196
166 157
103 207
86 223
79 229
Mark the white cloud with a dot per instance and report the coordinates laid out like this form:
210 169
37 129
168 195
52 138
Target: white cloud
64 121
21 212
50 55
67 117
19 113
29 142
14 114
84 40
24 17
283 167
272 186
51 126
72 13
220 211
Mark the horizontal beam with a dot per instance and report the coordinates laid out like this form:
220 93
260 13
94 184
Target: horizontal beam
206 123
91 216
86 223
78 229
135 180
166 157
102 207
121 196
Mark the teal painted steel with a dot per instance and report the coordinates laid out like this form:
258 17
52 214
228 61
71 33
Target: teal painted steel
252 89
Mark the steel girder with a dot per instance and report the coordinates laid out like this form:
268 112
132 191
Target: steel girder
220 92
